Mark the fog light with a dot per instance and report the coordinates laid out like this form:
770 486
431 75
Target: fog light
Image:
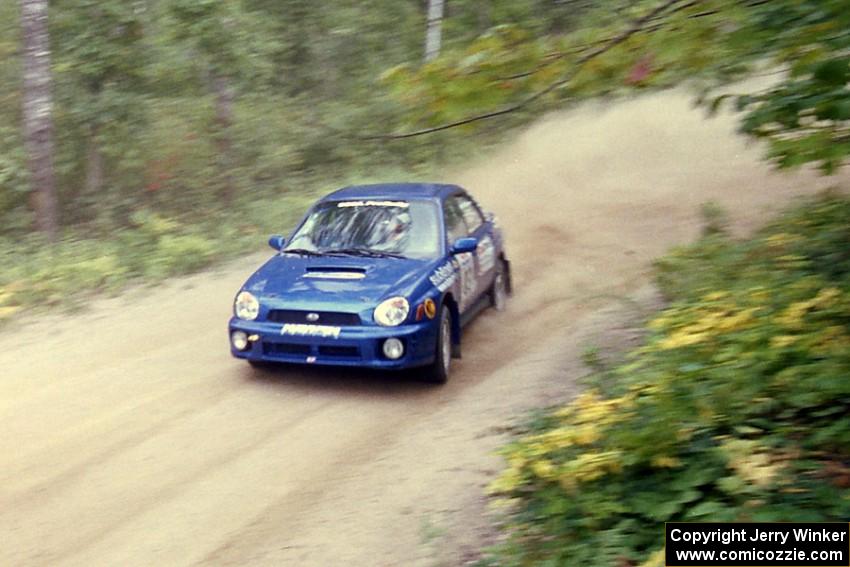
393 349
239 339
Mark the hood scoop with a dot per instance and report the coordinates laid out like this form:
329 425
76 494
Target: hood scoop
335 273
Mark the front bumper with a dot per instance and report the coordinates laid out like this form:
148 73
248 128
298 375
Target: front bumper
354 346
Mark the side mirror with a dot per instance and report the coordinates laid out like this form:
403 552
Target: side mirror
464 245
277 241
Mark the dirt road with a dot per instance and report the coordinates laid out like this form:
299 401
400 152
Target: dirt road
130 437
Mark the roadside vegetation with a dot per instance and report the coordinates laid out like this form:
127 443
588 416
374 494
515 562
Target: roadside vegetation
736 407
150 248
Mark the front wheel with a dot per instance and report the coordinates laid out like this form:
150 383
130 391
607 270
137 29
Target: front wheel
438 372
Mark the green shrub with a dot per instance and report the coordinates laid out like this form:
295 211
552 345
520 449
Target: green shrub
737 408
152 247
182 254
715 220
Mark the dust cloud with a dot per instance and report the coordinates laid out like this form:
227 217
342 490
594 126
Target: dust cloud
598 191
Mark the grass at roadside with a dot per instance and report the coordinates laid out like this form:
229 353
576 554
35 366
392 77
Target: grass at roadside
152 248
734 409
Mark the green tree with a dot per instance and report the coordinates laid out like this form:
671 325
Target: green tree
228 41
101 77
805 116
520 65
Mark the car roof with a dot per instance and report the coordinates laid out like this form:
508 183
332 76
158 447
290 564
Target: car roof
394 191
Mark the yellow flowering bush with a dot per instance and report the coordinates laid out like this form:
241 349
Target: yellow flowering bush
736 408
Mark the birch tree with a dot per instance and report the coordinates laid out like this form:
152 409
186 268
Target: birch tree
38 115
434 33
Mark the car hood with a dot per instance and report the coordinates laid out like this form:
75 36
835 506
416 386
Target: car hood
338 282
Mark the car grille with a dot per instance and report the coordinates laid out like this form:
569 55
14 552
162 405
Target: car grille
340 351
272 349
325 317
295 349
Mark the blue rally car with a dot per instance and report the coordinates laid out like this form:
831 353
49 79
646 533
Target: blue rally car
380 276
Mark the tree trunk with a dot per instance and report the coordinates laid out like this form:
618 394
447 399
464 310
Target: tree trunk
38 115
485 18
433 36
224 118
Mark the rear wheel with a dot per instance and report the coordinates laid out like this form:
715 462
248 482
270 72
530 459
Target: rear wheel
499 290
438 372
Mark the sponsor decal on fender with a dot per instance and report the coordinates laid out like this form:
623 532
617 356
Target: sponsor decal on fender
304 330
444 276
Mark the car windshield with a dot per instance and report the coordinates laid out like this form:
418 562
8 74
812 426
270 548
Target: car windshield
370 227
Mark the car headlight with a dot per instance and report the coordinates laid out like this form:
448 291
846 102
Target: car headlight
392 312
246 306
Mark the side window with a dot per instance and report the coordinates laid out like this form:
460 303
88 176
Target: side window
455 225
470 213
